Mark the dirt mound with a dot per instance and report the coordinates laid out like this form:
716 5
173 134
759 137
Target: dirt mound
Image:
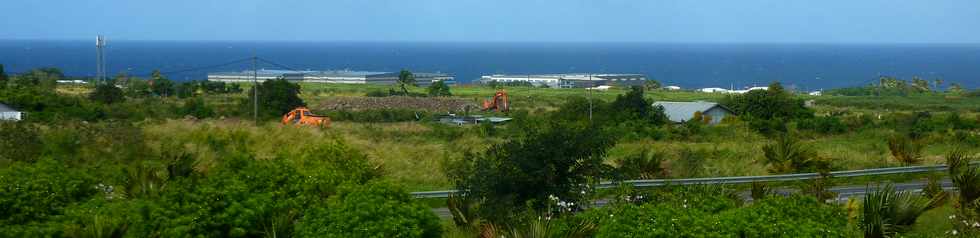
431 104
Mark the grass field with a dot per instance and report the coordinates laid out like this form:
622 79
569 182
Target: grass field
413 153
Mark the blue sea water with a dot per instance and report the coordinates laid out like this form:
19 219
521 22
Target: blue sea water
809 66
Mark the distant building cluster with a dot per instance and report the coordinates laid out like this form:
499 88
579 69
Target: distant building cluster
722 90
330 76
568 80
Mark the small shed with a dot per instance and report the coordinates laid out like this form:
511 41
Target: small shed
684 111
9 114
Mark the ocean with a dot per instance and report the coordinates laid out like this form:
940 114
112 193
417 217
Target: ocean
805 67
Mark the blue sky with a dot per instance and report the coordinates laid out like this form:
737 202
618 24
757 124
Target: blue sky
744 21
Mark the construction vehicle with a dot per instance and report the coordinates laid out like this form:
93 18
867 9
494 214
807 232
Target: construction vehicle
303 116
498 102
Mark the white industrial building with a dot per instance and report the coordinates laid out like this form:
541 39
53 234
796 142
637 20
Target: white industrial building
9 114
330 76
568 80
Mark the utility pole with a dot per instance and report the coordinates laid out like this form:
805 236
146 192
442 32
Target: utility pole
255 89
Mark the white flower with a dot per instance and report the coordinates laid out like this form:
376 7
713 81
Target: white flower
952 217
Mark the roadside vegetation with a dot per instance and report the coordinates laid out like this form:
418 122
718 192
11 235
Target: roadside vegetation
151 157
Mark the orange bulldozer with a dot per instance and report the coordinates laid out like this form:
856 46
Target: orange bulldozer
303 116
497 103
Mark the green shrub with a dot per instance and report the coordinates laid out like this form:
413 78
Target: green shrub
275 98
39 191
825 125
787 154
107 93
784 217
197 108
644 164
19 141
885 212
520 173
373 210
905 150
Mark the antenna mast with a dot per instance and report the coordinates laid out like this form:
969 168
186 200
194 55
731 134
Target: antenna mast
100 69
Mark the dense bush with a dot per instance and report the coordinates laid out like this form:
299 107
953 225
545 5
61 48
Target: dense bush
107 93
101 179
40 191
196 107
711 212
439 89
275 98
768 104
19 142
375 210
825 125
558 160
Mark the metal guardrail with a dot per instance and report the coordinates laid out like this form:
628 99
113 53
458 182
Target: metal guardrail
739 179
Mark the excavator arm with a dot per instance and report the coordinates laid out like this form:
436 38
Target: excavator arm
498 102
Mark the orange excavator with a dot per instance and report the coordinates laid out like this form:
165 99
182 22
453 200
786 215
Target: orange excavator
497 103
303 116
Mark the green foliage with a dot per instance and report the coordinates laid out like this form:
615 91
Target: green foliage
19 141
644 164
708 212
276 97
46 78
690 162
824 125
785 217
905 150
195 87
521 172
161 85
633 106
3 78
787 154
885 212
373 210
39 191
651 84
967 181
46 105
405 78
107 94
439 89
768 104
196 107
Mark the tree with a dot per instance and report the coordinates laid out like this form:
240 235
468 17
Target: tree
439 89
276 97
652 84
768 104
405 78
556 161
633 106
107 93
3 77
160 85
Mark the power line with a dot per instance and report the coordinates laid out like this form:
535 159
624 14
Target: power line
277 64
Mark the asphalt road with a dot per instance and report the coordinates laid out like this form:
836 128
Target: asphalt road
843 193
